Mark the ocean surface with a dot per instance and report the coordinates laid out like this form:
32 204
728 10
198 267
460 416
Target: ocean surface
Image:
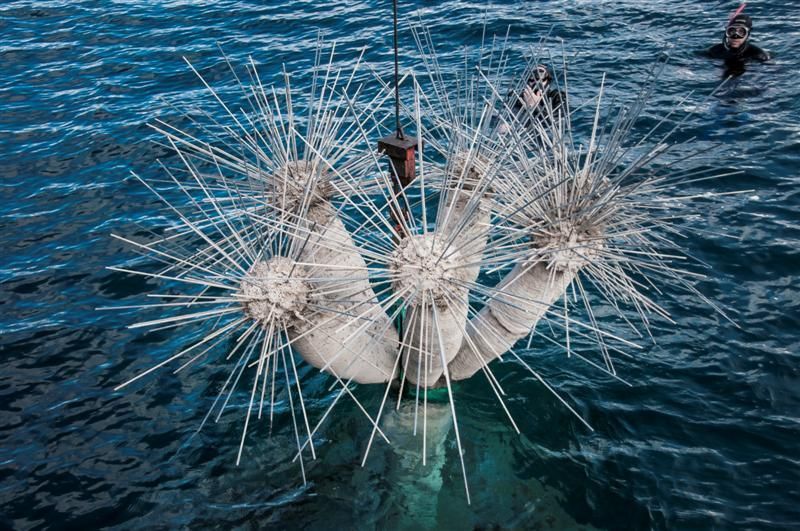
706 437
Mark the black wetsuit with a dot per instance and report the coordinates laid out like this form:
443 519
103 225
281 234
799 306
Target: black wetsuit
745 52
735 58
540 113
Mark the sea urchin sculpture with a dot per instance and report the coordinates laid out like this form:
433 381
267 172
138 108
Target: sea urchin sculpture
297 244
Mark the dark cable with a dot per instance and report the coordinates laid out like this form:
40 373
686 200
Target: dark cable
399 129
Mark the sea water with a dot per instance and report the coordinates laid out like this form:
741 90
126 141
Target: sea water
705 437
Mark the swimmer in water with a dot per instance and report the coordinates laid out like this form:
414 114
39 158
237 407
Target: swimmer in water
735 48
538 102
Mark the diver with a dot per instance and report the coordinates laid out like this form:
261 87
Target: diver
735 48
538 104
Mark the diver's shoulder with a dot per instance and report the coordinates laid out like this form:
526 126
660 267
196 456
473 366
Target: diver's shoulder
556 95
758 53
718 51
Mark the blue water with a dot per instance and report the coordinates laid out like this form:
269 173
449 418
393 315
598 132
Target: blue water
706 437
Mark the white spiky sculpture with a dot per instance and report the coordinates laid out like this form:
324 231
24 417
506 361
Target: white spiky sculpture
295 242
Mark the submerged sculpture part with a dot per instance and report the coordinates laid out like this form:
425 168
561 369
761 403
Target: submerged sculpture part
294 241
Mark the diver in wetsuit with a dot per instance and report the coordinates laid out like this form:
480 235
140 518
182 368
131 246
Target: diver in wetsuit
735 48
537 103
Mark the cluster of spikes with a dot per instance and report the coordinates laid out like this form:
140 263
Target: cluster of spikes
291 243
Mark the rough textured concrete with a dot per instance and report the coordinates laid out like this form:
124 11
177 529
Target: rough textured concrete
429 331
275 288
524 295
357 337
466 223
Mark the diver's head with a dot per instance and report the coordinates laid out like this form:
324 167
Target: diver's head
738 31
540 78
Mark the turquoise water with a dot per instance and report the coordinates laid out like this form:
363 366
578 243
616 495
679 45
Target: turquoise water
706 438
